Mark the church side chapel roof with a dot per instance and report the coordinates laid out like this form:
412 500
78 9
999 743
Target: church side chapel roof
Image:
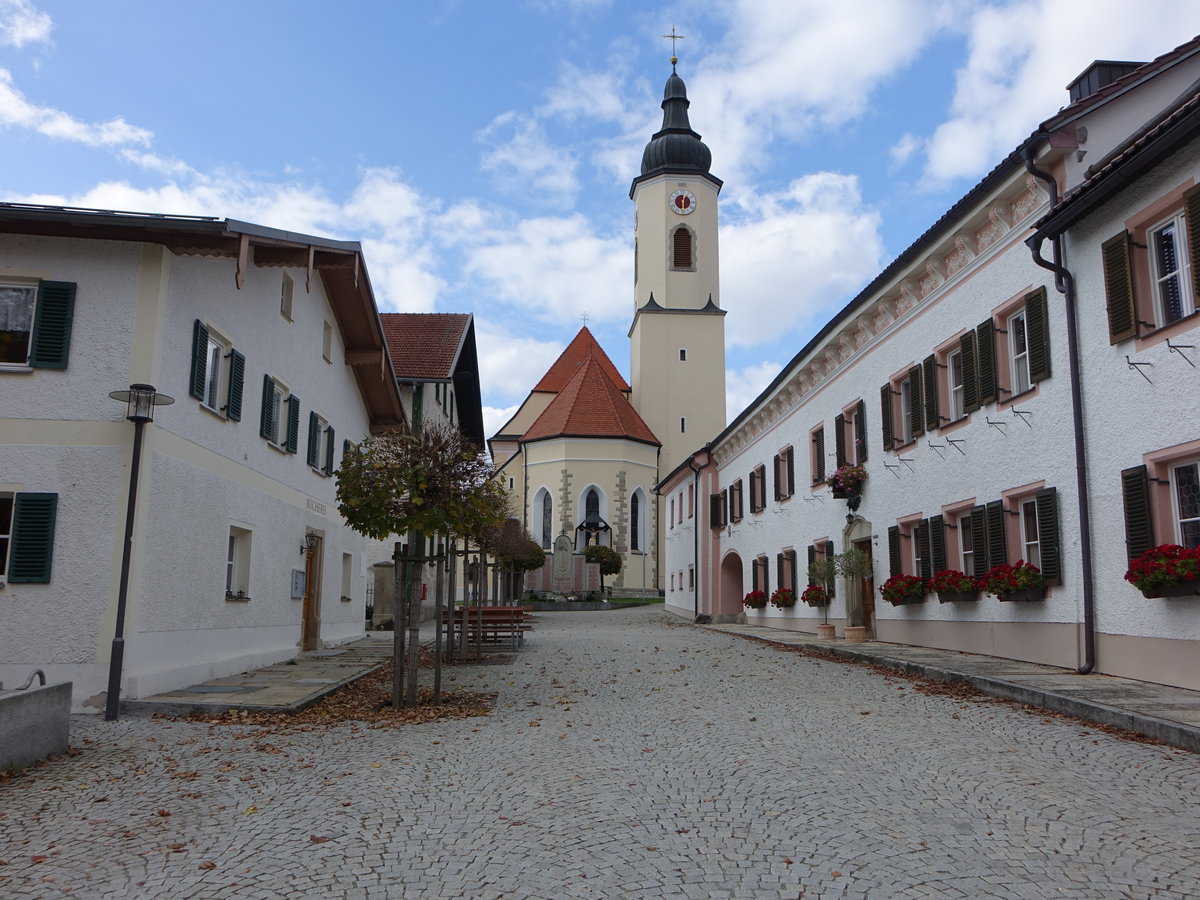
590 405
424 345
570 361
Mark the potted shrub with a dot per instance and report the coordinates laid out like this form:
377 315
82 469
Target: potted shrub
815 595
1167 570
1019 581
900 589
754 600
847 482
952 585
783 598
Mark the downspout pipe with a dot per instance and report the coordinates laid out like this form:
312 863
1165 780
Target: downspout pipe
1064 283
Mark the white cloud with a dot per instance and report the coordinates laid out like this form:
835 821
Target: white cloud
524 161
792 262
509 364
16 110
494 418
556 268
742 387
902 151
21 23
1020 57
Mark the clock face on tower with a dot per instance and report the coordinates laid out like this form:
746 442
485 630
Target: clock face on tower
683 202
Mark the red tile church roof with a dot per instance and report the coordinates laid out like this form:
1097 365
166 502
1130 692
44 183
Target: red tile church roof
590 404
424 345
572 359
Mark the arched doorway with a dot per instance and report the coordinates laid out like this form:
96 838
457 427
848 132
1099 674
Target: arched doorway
729 602
860 589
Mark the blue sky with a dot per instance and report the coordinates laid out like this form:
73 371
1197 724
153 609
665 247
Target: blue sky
482 151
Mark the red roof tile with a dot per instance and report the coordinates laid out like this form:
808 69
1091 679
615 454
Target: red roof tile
590 405
424 345
570 360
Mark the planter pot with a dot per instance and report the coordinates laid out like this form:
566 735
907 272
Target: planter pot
819 605
956 596
1186 589
825 632
784 605
1026 595
908 601
756 608
856 634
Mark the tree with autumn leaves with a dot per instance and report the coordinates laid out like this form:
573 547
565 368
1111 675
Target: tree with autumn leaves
433 482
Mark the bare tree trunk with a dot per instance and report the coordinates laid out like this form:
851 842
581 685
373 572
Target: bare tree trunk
452 587
482 583
415 570
439 588
398 584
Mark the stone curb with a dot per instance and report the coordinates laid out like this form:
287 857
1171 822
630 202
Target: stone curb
1177 734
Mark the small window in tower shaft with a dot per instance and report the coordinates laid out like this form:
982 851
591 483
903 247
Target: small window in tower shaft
682 354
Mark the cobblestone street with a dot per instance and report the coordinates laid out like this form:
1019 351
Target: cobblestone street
627 757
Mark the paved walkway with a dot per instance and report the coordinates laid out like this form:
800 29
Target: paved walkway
628 757
283 687
1166 713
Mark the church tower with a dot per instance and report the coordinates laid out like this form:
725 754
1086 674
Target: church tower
678 333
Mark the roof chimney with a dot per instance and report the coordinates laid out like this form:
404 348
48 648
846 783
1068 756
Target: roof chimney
1101 73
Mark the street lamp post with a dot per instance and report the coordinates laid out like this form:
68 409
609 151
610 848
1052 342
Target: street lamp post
140 400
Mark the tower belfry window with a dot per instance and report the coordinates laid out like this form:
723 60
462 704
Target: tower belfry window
681 248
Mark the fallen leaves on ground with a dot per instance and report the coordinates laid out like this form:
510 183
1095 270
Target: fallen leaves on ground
366 700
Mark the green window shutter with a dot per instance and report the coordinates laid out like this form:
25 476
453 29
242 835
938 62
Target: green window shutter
970 375
860 431
894 550
1191 210
766 576
199 360
780 571
819 453
293 424
929 377
1118 287
1139 522
839 439
237 378
724 507
266 419
812 558
1037 329
924 548
985 361
314 438
714 511
980 562
831 584
885 416
916 411
775 475
937 543
329 445
418 406
31 549
1046 504
754 580
52 318
997 540
791 470
345 447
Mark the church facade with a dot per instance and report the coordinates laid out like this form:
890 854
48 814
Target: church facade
584 453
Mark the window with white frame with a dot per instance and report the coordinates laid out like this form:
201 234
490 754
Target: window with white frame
215 372
327 343
6 516
906 414
966 544
691 570
1031 546
1169 271
237 564
1185 494
280 419
954 379
320 443
275 402
286 290
1018 350
17 303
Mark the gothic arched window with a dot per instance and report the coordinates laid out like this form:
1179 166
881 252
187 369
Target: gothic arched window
591 505
635 521
681 248
547 519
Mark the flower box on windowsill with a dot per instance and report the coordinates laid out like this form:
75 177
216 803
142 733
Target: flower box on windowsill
840 493
909 600
1029 594
239 596
957 596
1183 589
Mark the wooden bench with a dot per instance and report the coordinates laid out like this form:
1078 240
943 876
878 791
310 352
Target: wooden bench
475 624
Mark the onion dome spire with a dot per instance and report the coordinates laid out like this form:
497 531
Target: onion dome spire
675 147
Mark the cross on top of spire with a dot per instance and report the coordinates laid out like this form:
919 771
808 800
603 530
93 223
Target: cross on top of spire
673 37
